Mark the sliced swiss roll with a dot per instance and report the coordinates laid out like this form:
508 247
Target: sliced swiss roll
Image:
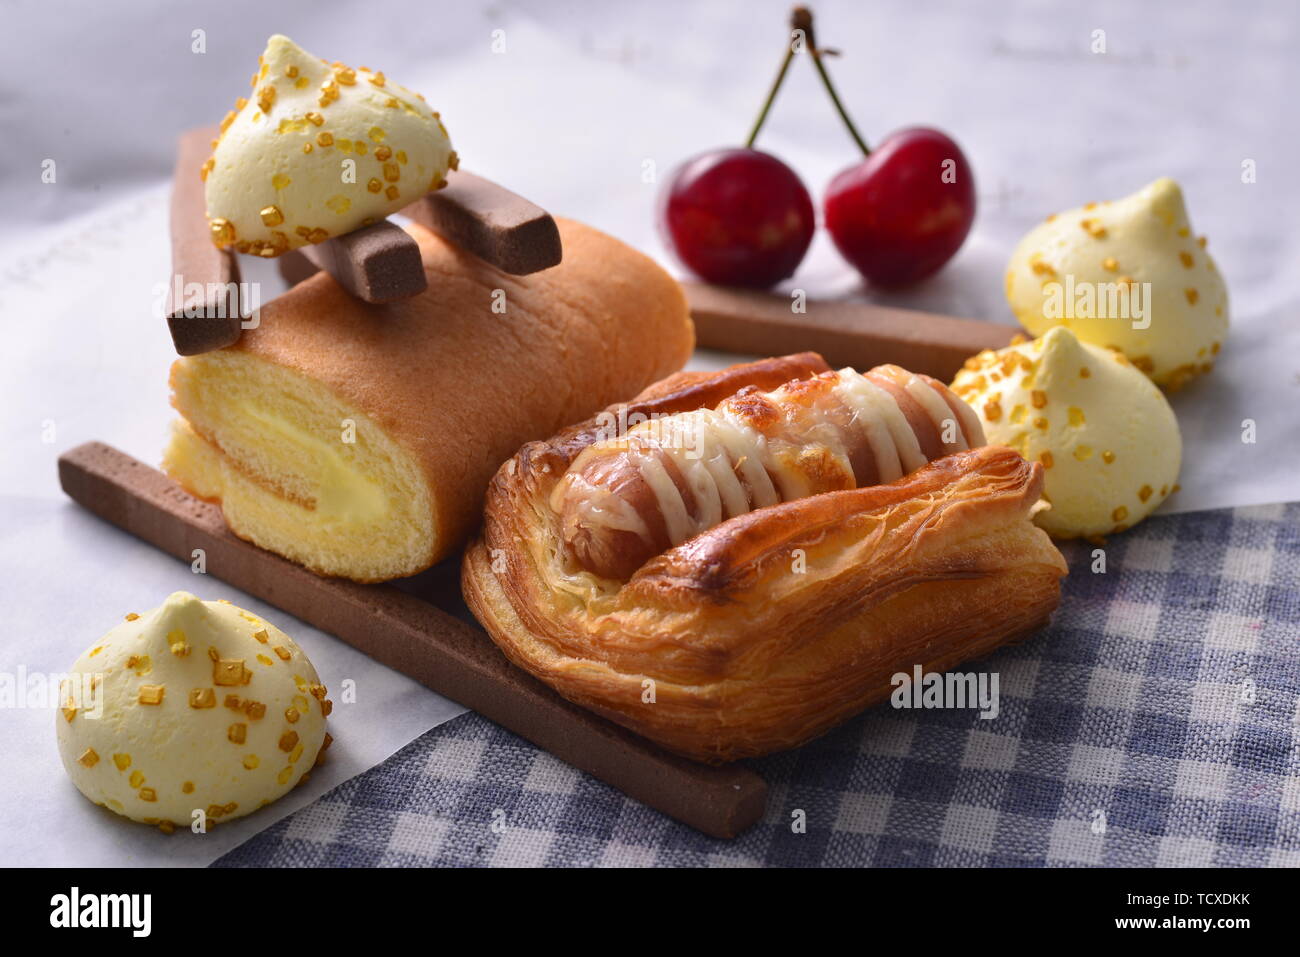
358 439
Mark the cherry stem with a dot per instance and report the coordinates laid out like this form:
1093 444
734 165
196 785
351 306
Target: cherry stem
801 19
771 94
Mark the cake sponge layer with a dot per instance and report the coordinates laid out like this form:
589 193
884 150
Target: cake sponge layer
296 471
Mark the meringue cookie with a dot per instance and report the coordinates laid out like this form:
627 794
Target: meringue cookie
316 151
195 705
1105 434
1128 275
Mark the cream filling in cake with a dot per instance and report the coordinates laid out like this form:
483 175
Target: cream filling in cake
296 470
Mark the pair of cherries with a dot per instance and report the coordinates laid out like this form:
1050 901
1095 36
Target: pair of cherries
742 217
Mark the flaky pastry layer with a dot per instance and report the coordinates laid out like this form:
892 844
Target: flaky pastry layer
772 627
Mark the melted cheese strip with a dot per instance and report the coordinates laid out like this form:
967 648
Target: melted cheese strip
729 468
939 413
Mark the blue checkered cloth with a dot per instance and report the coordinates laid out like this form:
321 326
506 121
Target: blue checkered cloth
1154 723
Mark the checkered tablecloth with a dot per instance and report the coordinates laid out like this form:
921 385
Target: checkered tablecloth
1154 723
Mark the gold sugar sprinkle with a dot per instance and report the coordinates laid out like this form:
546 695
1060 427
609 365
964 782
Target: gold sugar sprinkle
280 181
283 653
151 694
223 234
132 616
251 761
1108 456
89 758
392 192
148 794
1192 295
1119 514
1076 416
1144 492
123 761
1093 228
136 779
237 733
255 710
271 216
291 715
203 698
228 672
288 740
1083 452
374 185
187 787
1186 259
1110 264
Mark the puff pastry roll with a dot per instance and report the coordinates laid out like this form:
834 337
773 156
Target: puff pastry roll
766 614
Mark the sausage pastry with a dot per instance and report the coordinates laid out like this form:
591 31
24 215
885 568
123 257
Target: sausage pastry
629 497
735 562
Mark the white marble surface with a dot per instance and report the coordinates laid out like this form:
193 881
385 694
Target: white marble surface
582 102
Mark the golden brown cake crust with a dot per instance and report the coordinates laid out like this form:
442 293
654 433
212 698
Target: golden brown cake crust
460 386
773 626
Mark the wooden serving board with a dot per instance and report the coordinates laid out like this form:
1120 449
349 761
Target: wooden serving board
405 629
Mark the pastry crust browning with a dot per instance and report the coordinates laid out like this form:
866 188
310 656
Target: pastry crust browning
775 625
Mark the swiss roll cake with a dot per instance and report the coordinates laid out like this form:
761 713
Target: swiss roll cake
358 439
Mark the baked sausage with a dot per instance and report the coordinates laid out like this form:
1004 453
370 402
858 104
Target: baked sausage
627 498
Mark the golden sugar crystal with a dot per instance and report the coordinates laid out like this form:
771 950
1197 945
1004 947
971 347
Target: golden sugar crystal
271 216
89 758
251 761
291 715
255 710
223 234
148 794
374 185
237 733
151 694
288 740
392 172
123 761
228 672
203 698
392 192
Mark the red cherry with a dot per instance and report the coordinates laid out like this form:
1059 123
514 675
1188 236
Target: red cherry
905 209
737 217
